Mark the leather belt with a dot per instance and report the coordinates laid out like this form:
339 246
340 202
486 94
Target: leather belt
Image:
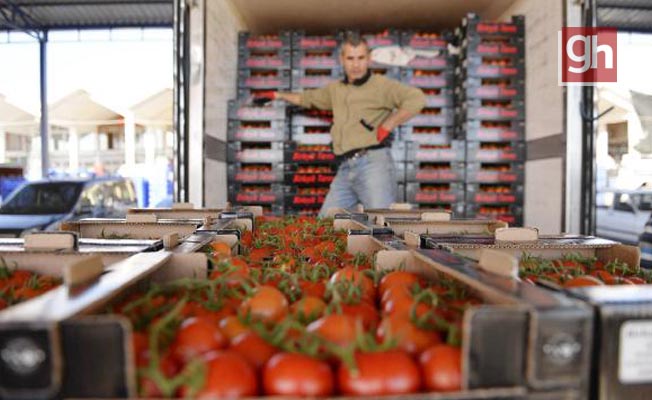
357 153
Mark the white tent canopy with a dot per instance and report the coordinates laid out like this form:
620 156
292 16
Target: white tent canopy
78 110
154 110
16 119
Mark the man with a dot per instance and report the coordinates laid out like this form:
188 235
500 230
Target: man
366 108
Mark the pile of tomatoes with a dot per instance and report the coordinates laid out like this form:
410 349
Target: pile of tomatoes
19 285
297 315
574 270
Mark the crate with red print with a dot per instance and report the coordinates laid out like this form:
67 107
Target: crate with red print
435 172
303 41
494 193
255 152
309 197
507 172
311 117
311 134
427 134
314 78
433 116
256 173
264 79
316 59
243 110
491 131
490 88
492 110
385 70
512 214
476 46
309 154
441 62
453 151
438 98
492 67
249 41
472 25
425 78
256 194
495 152
265 59
386 37
434 193
310 174
424 40
257 131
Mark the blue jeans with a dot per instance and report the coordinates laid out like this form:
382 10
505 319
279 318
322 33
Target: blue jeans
369 179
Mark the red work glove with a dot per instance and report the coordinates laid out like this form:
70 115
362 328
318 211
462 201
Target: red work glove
264 97
382 133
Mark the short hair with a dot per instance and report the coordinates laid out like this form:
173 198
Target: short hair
353 39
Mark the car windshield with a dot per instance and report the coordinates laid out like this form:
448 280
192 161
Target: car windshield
43 198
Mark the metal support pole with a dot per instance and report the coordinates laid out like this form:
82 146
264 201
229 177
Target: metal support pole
45 162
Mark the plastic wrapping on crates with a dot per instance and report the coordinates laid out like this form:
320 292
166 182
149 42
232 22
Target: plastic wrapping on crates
400 56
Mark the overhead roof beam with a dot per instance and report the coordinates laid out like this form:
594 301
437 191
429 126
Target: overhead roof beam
18 19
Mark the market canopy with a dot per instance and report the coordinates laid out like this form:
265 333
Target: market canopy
78 110
154 110
40 15
16 119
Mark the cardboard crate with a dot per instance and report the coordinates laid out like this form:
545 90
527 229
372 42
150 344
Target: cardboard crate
440 223
311 175
426 134
264 79
238 110
256 194
492 131
512 214
495 152
302 41
311 135
246 40
309 154
437 193
435 172
316 59
494 173
431 79
453 152
426 40
494 193
238 152
257 131
444 116
472 25
251 173
260 59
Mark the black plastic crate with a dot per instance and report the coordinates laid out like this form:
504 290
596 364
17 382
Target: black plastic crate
492 110
305 198
491 88
276 110
436 116
312 118
264 79
426 40
388 37
255 173
246 93
239 152
301 41
495 152
439 98
434 193
427 78
472 25
492 131
309 154
427 134
265 59
311 134
494 193
246 40
311 175
258 131
434 153
512 214
473 48
315 59
314 78
442 62
494 173
256 194
444 172
485 70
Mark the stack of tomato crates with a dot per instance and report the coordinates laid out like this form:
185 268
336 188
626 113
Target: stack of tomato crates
256 134
491 116
434 170
310 162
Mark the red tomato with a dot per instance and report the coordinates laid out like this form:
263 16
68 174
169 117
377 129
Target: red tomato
382 373
441 367
140 345
316 289
229 376
252 347
397 278
231 326
267 304
335 328
363 311
584 280
309 308
410 338
359 278
196 336
293 374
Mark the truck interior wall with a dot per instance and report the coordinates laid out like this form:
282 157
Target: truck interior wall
544 104
223 22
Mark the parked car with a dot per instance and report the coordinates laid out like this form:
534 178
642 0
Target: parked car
621 215
42 205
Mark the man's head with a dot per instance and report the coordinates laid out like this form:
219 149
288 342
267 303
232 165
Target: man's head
354 56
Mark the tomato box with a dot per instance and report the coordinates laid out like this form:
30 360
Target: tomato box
436 153
440 223
311 134
303 41
510 213
427 134
314 78
493 173
255 153
247 40
434 193
437 63
494 193
427 78
255 173
474 26
426 40
263 78
245 112
445 172
492 131
491 88
316 59
265 59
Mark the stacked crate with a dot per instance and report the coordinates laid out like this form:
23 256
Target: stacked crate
491 116
256 134
310 162
434 170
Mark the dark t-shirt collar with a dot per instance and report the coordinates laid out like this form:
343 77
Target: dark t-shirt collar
359 81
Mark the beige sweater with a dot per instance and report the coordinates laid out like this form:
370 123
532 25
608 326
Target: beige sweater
372 102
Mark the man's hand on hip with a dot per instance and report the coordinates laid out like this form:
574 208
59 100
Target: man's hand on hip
382 133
